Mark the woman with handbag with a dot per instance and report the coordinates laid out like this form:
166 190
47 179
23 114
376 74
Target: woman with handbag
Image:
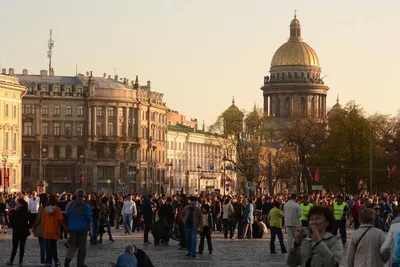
20 224
366 242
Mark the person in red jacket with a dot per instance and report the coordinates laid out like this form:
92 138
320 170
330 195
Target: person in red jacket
354 213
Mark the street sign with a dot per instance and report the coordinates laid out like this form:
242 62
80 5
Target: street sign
317 187
108 181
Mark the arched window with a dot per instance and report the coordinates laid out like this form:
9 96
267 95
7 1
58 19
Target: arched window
277 76
296 76
283 76
111 129
302 75
303 106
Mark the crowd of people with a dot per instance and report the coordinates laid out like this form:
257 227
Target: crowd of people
310 222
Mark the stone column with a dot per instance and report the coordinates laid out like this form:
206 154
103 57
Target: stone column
105 126
126 121
118 122
89 122
272 106
266 99
94 120
282 105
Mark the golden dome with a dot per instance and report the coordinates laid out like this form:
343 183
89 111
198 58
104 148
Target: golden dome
295 52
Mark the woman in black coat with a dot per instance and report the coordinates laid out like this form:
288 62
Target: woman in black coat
20 225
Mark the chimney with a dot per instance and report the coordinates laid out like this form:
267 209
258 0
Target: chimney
109 76
148 85
4 71
91 73
51 74
124 80
43 73
127 81
87 73
80 76
104 75
11 71
116 77
25 72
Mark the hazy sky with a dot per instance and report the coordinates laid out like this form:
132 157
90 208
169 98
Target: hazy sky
200 53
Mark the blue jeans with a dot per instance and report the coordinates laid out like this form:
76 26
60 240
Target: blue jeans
95 231
42 246
191 240
127 221
51 251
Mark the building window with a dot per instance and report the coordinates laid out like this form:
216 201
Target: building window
110 129
56 110
27 128
68 152
45 110
120 113
14 111
111 112
303 106
14 142
98 129
14 177
80 129
27 150
28 109
6 141
56 152
79 90
27 171
56 128
6 110
80 111
106 173
130 131
68 111
68 129
121 130
99 112
80 151
45 128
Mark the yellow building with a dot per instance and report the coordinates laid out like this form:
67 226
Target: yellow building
11 93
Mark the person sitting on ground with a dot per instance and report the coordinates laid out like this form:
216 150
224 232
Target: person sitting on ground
142 258
127 258
258 228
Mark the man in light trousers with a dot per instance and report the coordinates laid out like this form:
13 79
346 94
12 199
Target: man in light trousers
128 212
291 214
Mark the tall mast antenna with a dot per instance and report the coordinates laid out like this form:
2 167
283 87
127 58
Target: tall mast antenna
50 51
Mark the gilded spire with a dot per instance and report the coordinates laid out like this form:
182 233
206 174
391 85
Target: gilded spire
295 29
233 101
337 99
295 14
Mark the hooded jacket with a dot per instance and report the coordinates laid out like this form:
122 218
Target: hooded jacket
51 222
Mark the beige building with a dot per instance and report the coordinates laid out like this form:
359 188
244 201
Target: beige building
174 118
101 133
194 164
11 93
295 86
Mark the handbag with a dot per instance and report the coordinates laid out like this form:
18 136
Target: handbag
358 242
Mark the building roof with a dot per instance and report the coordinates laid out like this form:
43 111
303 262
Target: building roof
295 52
29 79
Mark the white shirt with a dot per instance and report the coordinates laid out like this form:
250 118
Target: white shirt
33 205
129 207
226 208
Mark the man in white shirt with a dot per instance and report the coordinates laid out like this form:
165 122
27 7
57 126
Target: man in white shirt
291 214
33 206
128 213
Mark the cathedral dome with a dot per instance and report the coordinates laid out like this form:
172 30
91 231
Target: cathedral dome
233 112
295 52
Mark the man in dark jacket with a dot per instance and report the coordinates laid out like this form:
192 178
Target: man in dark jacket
147 212
239 207
79 214
183 202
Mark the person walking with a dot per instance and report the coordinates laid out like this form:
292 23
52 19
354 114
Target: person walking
366 242
228 214
20 225
291 214
79 214
33 206
38 228
248 219
147 212
340 211
193 221
207 229
183 202
128 213
275 217
52 219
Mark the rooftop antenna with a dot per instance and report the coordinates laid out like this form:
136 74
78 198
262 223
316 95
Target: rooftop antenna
115 71
76 69
50 51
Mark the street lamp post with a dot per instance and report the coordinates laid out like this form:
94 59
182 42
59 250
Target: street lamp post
198 176
82 163
4 160
169 165
44 150
224 185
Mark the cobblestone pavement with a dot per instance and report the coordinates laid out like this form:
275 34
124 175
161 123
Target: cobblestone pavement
232 253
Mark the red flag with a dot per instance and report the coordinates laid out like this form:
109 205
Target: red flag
393 170
316 176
